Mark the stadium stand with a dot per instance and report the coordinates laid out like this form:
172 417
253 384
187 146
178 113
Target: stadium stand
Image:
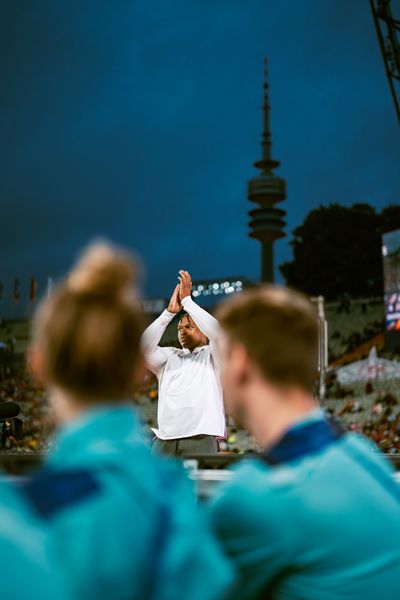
354 327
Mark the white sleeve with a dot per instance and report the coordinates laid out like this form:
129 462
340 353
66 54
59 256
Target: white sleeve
204 321
155 356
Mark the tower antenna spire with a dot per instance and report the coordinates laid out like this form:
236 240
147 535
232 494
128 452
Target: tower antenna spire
266 134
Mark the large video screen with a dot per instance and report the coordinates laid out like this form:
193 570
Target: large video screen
391 274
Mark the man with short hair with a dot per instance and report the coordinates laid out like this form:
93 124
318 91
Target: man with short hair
317 514
190 405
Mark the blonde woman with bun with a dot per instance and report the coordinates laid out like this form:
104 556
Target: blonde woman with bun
123 523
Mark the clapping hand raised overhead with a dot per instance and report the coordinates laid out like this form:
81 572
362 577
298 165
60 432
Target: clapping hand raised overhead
175 305
185 285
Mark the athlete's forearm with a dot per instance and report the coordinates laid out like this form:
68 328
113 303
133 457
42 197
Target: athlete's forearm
154 332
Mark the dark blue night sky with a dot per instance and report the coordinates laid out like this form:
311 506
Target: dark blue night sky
140 121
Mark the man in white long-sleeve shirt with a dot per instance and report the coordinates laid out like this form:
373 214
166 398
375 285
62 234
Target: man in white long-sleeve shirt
190 406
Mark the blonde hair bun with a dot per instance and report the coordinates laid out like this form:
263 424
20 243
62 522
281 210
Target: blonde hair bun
103 270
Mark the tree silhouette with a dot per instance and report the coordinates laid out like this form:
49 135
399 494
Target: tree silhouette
389 219
337 250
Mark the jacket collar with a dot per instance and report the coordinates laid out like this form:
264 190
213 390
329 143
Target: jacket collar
184 351
308 435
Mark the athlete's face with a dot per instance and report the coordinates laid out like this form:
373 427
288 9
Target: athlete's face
189 334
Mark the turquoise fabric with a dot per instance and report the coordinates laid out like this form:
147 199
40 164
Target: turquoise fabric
24 567
140 533
324 526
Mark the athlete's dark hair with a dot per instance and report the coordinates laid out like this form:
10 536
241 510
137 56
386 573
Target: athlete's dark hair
183 315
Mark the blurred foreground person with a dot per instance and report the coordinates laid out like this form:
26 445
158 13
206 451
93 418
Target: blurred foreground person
24 568
123 523
190 406
317 514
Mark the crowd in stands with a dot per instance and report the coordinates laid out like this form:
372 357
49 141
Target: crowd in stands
36 417
38 422
352 325
369 409
372 409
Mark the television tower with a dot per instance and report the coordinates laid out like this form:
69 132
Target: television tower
266 222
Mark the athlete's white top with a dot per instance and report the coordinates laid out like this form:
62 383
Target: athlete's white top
190 393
